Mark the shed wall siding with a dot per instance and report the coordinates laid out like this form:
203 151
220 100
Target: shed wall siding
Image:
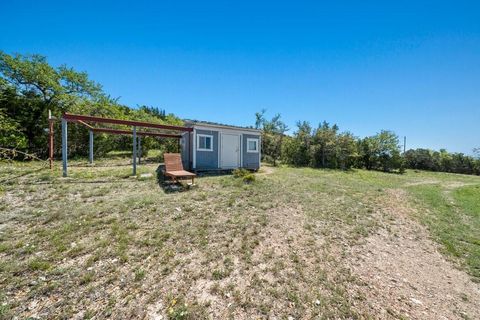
250 160
185 148
207 159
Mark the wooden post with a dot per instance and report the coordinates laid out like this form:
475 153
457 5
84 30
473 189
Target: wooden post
64 146
134 150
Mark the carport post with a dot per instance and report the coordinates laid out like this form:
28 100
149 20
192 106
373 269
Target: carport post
190 148
50 138
139 148
91 147
134 150
64 146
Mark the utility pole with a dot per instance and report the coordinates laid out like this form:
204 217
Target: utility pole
404 144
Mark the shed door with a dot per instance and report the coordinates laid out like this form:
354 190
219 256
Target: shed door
230 151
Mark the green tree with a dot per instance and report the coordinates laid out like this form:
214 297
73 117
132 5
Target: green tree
381 152
30 87
368 148
324 145
10 135
426 159
476 152
346 151
273 134
423 159
59 87
388 150
296 149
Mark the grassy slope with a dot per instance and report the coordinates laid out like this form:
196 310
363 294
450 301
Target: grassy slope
111 245
453 217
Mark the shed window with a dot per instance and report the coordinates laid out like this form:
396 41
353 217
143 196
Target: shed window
252 145
204 142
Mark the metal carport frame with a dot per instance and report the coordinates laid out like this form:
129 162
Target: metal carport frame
87 120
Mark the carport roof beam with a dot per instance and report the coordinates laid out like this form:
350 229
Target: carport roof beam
77 117
139 133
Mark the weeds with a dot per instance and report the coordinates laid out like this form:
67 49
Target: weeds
247 247
139 275
246 176
37 264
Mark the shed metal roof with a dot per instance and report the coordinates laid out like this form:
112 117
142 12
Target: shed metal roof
189 122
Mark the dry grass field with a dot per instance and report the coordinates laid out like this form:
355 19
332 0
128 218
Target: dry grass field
294 244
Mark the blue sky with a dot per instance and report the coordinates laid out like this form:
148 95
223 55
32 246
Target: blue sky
409 66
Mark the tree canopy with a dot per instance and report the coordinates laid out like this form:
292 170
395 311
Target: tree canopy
30 86
327 147
273 133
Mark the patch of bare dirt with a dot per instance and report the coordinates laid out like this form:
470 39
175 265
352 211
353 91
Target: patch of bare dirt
448 184
404 273
457 184
282 263
264 170
422 182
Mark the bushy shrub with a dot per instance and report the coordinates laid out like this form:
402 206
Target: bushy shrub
240 172
249 178
246 175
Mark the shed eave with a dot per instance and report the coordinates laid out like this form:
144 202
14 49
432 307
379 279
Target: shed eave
218 126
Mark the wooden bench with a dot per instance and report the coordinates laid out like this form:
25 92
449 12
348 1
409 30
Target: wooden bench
174 168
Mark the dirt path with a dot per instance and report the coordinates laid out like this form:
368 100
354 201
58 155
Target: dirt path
265 170
405 275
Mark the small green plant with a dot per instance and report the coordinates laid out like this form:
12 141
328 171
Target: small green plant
4 310
4 247
38 264
4 307
139 275
178 310
249 178
219 274
87 278
246 175
240 172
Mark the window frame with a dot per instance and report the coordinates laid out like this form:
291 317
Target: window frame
257 141
200 135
